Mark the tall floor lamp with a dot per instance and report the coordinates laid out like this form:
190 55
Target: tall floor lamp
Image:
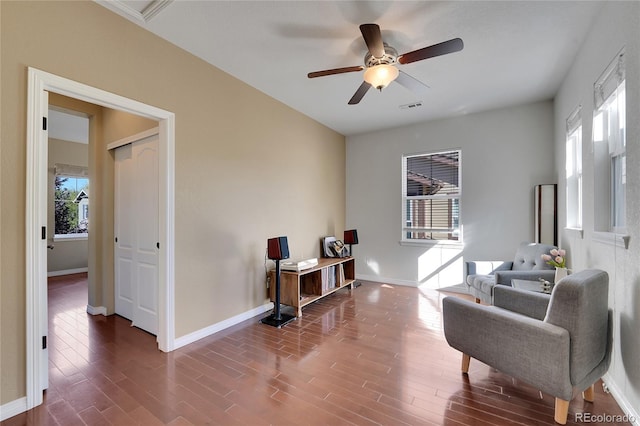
351 238
277 249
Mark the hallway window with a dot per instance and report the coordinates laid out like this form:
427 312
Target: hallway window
431 197
71 202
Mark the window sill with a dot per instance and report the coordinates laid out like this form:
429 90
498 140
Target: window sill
612 239
71 237
579 232
432 243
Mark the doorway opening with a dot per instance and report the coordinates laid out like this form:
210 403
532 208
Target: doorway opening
67 191
40 84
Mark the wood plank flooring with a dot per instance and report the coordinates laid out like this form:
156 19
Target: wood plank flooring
372 356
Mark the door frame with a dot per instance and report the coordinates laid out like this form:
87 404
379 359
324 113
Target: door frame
39 83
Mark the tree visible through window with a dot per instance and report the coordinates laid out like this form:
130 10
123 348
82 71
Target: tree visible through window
71 199
431 196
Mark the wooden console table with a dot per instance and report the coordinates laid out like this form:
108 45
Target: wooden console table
298 289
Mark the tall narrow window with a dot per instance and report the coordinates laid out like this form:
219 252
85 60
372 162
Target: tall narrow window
71 201
609 143
431 196
574 170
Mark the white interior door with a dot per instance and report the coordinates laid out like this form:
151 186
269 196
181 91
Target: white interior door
136 233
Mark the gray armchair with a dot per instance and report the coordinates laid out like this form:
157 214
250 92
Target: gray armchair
561 343
482 276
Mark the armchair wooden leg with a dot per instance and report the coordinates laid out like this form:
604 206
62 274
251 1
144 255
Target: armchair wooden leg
466 359
562 410
588 393
477 300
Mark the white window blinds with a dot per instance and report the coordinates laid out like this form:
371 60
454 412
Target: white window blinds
71 170
431 196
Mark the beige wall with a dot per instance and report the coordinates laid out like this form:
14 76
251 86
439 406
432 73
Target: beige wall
247 167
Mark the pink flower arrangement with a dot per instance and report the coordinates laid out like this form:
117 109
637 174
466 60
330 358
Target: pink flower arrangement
556 257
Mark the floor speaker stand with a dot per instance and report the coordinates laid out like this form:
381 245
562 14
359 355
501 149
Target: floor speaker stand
277 319
355 283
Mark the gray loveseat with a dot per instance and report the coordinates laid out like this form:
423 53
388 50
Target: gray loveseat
482 276
560 344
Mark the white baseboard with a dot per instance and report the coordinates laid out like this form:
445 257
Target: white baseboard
618 395
96 310
214 328
13 408
379 279
67 272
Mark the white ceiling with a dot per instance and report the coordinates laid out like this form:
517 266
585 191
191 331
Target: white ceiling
514 51
68 125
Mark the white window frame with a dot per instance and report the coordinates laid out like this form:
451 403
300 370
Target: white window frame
609 150
73 172
407 227
573 162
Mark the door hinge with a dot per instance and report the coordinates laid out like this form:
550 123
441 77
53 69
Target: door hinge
44 342
44 232
44 123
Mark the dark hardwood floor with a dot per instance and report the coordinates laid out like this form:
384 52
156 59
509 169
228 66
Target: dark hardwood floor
372 356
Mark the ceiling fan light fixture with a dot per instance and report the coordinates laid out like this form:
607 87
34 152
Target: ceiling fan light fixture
379 76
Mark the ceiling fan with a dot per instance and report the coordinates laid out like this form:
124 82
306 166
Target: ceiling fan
381 59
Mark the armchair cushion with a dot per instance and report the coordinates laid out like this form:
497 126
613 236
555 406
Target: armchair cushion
529 257
524 302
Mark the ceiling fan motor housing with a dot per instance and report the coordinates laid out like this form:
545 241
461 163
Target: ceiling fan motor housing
389 57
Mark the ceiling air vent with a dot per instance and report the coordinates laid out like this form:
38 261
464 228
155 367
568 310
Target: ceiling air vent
411 105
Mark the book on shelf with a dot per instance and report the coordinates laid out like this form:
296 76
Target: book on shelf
328 278
340 275
332 276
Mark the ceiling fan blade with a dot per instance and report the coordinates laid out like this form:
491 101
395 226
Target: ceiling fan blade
362 90
450 46
373 39
334 71
414 85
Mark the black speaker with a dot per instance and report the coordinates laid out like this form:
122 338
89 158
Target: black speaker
277 248
351 237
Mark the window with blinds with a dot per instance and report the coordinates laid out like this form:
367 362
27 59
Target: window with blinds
431 196
609 146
